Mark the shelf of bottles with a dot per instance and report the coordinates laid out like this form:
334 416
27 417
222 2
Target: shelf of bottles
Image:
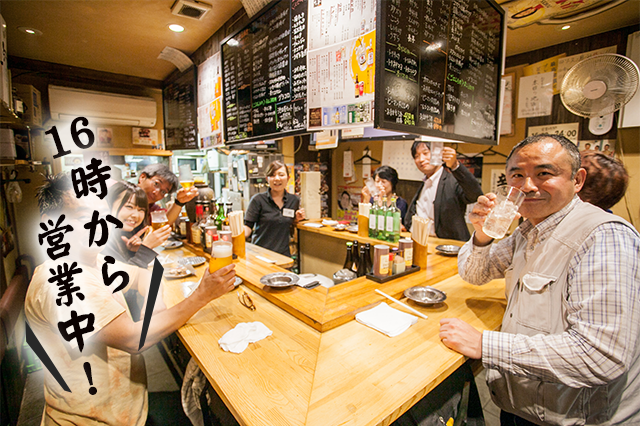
211 224
384 220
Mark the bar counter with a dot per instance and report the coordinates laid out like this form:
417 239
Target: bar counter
323 250
320 367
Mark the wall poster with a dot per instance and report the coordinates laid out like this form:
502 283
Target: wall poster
210 102
342 51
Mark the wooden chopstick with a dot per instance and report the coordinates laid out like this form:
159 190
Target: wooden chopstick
420 314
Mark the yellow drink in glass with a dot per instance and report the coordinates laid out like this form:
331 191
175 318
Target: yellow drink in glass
221 255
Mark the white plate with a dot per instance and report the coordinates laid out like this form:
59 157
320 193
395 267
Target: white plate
313 225
330 222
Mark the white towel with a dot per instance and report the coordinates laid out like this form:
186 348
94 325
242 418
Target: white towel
386 319
237 339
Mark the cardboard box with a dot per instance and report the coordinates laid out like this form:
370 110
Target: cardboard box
5 96
33 104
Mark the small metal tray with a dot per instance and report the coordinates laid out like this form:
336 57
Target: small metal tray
193 261
179 272
169 245
425 295
280 279
448 249
407 271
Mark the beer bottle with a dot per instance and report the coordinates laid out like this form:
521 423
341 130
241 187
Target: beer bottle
362 270
348 262
356 259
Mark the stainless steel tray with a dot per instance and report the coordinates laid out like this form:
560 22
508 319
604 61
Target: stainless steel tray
425 295
280 279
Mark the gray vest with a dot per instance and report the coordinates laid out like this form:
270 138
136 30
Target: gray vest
537 291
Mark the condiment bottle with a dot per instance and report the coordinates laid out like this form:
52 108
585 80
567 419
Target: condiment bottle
380 260
406 245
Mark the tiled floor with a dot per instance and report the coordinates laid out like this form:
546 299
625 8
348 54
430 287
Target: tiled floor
159 379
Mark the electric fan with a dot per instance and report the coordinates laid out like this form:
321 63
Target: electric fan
599 85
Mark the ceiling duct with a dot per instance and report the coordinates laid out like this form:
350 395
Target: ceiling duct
190 9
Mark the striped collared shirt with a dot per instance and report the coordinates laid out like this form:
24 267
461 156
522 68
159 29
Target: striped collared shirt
603 305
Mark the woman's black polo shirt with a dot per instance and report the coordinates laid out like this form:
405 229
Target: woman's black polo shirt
271 225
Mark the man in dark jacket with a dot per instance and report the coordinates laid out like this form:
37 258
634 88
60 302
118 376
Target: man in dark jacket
444 193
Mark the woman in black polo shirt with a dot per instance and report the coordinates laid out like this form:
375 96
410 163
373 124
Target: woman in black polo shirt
270 214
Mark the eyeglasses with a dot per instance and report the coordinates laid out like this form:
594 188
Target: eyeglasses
246 301
157 186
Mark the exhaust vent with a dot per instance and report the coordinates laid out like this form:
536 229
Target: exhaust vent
190 9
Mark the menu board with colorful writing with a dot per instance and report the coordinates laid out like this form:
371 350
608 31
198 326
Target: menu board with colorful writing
264 75
342 46
439 64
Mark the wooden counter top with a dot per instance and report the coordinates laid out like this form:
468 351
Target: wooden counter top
347 374
350 236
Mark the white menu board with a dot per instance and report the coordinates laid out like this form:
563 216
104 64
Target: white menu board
341 63
210 102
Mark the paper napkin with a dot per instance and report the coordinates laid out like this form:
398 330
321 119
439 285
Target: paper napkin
386 319
238 338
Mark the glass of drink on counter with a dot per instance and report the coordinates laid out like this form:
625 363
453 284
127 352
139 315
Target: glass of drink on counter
159 219
221 255
186 176
499 219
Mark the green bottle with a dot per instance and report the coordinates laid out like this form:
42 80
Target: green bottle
381 221
373 215
219 221
388 227
395 234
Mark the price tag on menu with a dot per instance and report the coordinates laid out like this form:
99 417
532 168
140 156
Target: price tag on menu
569 130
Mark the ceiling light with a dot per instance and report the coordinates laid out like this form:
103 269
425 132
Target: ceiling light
176 28
565 27
30 31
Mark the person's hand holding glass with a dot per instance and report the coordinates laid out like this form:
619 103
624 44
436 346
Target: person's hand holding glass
160 229
493 214
188 191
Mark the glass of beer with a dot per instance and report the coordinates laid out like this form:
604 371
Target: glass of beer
159 219
221 255
186 176
499 219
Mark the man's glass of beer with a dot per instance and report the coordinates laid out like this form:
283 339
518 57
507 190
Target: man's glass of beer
221 255
186 176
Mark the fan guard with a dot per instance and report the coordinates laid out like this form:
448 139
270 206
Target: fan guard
599 85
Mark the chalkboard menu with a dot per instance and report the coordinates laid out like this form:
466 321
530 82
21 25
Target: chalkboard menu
440 63
264 73
180 113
